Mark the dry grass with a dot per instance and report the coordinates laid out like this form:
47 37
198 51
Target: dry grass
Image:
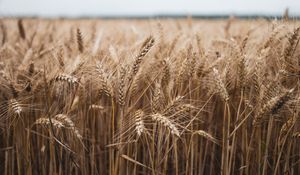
149 96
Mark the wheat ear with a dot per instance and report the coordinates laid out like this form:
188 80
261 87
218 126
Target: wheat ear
273 106
146 46
139 122
207 136
21 29
220 86
79 40
167 123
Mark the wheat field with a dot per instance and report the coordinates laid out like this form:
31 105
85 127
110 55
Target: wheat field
152 96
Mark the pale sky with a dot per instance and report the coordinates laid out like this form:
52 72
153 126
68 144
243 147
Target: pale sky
55 8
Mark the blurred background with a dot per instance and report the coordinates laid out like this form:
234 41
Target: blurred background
147 8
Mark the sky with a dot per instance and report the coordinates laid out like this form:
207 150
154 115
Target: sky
76 8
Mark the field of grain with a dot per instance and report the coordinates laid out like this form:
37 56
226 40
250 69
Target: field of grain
153 96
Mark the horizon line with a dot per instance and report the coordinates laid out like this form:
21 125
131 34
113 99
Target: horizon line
154 16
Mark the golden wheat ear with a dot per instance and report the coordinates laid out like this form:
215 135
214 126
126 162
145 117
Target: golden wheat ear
46 122
4 32
15 106
121 88
139 122
146 46
79 40
157 98
59 121
166 74
60 57
273 106
207 136
31 70
288 125
220 86
21 29
96 107
65 119
105 86
166 123
67 78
